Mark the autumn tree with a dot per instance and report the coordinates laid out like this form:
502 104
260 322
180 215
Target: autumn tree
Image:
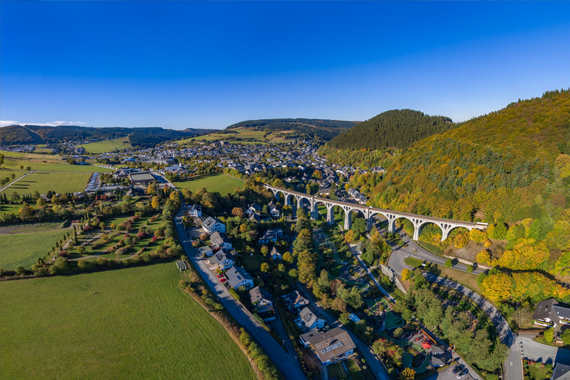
264 267
405 274
407 374
155 202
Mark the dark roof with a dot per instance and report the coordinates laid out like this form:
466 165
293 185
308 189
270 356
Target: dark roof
561 311
209 222
295 297
561 372
330 344
258 294
218 239
544 308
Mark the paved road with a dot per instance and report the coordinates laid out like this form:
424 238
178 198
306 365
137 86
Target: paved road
375 365
396 261
541 352
286 363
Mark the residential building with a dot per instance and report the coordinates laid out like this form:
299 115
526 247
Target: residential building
141 178
307 320
295 300
550 313
274 212
211 225
221 260
205 251
561 372
261 299
195 211
271 235
275 254
239 277
329 346
221 241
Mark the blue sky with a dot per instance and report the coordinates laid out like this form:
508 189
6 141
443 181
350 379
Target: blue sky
210 64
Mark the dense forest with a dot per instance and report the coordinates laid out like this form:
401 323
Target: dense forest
511 169
35 134
318 129
391 129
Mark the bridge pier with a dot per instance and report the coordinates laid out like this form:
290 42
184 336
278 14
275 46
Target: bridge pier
330 214
314 210
369 223
288 200
347 220
417 231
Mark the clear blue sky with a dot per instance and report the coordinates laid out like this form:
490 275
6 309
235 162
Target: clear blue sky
211 64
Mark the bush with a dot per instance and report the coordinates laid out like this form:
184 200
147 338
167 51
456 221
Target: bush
469 268
448 263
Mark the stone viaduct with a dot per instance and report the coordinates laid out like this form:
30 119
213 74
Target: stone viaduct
446 225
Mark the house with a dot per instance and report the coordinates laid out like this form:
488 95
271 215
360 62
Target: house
205 251
221 241
550 313
295 300
255 217
561 372
195 211
239 277
221 260
271 235
360 247
254 208
437 362
307 320
330 346
274 212
261 299
275 254
141 178
211 225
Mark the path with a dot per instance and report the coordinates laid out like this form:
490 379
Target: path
286 363
363 265
16 180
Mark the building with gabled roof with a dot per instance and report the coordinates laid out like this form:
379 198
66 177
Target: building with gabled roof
239 277
330 346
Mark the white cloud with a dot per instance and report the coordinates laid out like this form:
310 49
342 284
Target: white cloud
4 123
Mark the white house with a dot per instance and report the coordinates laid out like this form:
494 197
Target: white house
274 211
195 211
275 254
221 261
211 225
307 320
239 277
329 346
205 251
271 235
261 299
295 300
221 241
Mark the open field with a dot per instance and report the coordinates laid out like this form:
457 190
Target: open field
10 208
242 133
44 182
60 166
464 278
123 324
32 156
25 248
107 145
220 183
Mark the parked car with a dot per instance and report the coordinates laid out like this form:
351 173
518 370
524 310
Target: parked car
222 280
458 368
462 374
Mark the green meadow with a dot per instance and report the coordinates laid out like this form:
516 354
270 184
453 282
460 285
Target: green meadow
220 183
44 182
25 248
131 323
107 145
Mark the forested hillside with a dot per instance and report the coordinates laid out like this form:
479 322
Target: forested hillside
35 134
511 169
391 129
312 128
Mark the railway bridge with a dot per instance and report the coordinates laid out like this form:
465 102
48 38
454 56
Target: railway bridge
446 225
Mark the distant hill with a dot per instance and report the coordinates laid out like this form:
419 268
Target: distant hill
391 129
313 128
35 134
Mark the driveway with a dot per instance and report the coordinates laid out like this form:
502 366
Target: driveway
539 352
286 363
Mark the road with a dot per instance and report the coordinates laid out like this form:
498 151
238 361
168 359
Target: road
513 365
286 363
541 352
375 365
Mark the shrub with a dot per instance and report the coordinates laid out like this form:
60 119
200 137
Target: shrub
448 263
461 240
469 268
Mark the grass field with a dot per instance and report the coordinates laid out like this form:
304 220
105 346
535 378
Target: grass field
31 155
38 165
44 182
25 248
113 325
220 183
107 145
241 134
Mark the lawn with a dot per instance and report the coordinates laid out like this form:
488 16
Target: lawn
538 372
24 249
220 183
123 324
30 155
413 262
44 182
48 166
392 321
251 263
241 134
464 278
107 145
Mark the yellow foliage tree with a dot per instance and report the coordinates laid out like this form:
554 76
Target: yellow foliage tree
349 236
405 273
526 254
484 257
155 202
461 240
478 235
407 374
488 244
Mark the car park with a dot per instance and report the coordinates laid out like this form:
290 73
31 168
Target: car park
462 374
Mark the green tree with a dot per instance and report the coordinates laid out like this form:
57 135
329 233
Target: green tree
549 335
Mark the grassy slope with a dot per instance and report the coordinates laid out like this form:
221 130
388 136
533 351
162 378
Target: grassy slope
242 134
25 248
31 155
113 325
38 165
107 145
220 183
44 182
